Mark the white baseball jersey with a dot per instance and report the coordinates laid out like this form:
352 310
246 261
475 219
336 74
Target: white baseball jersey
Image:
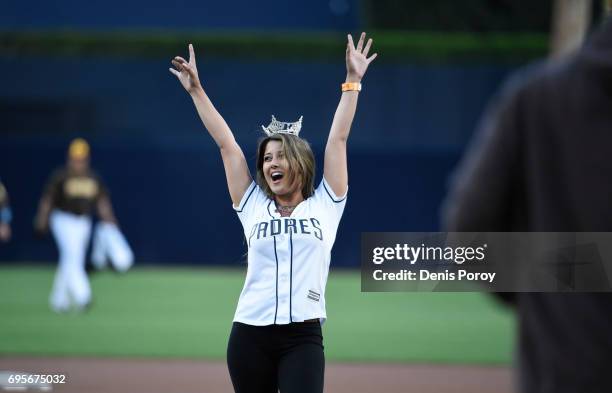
288 257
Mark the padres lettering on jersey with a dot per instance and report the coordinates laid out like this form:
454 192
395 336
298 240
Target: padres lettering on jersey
288 257
274 227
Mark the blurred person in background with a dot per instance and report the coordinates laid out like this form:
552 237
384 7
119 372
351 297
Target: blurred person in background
5 214
541 162
66 206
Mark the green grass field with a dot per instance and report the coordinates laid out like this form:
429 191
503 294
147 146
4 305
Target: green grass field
187 313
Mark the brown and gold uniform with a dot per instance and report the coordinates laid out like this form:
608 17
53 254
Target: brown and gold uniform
73 198
75 193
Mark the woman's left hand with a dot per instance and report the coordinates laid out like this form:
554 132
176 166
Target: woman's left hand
357 60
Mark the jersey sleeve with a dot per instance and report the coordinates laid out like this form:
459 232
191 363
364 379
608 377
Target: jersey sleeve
53 187
103 190
253 200
330 204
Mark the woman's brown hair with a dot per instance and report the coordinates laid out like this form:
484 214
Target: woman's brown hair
299 156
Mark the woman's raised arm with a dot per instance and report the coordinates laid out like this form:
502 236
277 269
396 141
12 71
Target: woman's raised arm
236 168
335 167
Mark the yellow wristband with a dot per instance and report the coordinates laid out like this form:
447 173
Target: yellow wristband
351 86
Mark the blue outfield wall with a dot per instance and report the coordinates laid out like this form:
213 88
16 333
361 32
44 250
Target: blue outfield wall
199 15
165 173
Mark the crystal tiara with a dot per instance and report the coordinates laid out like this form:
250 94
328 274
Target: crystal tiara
281 127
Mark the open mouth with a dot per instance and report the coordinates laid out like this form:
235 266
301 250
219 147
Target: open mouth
276 176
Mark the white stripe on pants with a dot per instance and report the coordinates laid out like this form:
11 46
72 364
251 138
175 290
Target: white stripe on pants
71 233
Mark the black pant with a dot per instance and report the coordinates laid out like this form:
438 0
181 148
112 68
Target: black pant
264 359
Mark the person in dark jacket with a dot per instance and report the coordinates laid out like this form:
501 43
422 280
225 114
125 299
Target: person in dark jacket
542 161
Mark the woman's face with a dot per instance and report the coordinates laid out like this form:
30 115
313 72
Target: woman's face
276 170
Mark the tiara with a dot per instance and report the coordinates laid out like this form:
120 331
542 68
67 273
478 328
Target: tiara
281 127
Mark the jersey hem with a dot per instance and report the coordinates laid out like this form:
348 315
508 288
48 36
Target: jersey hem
260 323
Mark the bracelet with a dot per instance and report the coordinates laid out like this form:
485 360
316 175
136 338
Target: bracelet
351 86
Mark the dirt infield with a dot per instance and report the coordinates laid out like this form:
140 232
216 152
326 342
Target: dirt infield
103 375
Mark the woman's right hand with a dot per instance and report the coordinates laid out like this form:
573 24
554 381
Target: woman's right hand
187 72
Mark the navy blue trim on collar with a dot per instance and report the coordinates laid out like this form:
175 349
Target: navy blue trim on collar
330 195
247 198
269 203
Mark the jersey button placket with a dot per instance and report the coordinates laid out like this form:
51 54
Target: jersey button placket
283 278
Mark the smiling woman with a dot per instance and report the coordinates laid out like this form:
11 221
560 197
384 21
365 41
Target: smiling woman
285 162
276 341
